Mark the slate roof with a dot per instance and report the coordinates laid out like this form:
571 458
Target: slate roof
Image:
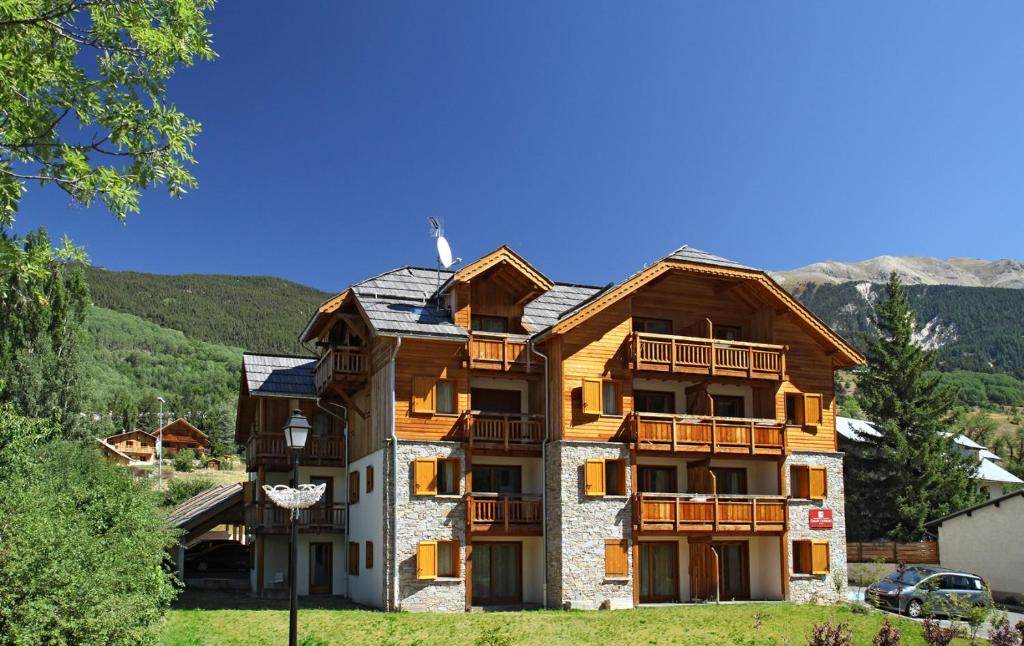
991 472
204 503
271 375
546 310
686 253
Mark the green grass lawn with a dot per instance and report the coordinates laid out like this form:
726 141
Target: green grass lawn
734 624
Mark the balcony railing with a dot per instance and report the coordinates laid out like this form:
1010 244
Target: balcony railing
268 517
710 513
266 448
696 355
340 363
708 434
494 351
506 514
505 431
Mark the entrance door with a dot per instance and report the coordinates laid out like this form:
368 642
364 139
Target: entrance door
497 573
321 568
703 571
733 570
659 581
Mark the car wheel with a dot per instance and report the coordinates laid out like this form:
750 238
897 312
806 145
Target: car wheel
914 609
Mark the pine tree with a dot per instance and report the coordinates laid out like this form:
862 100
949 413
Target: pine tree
910 472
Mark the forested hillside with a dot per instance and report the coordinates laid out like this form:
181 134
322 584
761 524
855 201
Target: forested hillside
129 362
252 312
978 329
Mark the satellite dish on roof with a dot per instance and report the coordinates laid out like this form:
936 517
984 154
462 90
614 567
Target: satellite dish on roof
444 252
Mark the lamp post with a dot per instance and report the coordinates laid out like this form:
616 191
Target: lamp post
296 429
160 448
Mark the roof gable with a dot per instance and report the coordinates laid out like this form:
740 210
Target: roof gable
503 255
181 424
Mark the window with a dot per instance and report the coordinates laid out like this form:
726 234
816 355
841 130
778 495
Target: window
810 557
727 332
616 563
497 324
808 482
656 479
602 397
369 478
497 479
649 401
652 326
728 406
803 409
431 395
731 482
605 477
353 558
369 555
321 424
435 476
353 487
437 559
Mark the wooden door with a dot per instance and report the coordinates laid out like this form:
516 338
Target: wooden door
700 478
659 572
321 568
703 571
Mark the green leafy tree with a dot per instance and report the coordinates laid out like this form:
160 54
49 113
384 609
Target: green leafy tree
42 323
979 427
83 103
82 545
909 473
184 460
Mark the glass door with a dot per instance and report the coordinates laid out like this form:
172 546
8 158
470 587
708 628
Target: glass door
658 572
497 573
733 570
320 568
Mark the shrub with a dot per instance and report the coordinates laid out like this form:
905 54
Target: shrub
859 607
82 546
1001 634
184 460
888 635
181 489
831 634
935 634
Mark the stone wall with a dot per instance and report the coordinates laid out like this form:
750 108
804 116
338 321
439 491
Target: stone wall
807 588
578 526
429 518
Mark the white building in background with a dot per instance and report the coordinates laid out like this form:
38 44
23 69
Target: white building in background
993 480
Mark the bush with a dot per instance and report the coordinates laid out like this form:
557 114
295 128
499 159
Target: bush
181 489
184 460
935 634
831 634
1001 634
888 635
82 548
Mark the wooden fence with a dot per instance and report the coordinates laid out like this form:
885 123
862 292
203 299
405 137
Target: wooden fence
921 552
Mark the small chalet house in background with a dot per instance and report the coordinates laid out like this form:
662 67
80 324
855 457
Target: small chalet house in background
135 446
512 440
138 448
992 479
179 435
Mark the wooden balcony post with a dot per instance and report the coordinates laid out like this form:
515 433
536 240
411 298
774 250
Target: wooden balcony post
782 362
508 510
753 514
714 515
672 359
752 443
505 431
750 362
504 353
673 433
714 435
675 515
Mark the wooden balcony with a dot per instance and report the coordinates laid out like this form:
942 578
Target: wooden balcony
494 351
269 450
700 513
266 517
501 515
341 366
508 433
708 434
703 356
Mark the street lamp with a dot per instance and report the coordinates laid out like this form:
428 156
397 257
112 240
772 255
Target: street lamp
160 447
296 430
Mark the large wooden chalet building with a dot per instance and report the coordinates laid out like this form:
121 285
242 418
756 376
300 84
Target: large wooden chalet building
515 441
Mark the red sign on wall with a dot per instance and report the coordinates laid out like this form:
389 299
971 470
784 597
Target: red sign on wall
820 519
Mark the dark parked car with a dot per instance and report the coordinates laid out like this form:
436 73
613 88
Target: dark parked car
922 588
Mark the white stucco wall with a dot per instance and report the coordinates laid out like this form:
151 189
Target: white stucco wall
988 543
765 568
366 523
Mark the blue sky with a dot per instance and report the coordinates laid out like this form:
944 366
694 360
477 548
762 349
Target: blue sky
592 137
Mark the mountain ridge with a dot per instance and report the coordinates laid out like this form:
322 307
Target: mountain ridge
915 270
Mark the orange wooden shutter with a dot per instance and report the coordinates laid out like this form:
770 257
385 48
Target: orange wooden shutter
353 487
369 555
818 484
423 399
812 409
425 477
593 396
615 561
594 480
819 557
426 560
